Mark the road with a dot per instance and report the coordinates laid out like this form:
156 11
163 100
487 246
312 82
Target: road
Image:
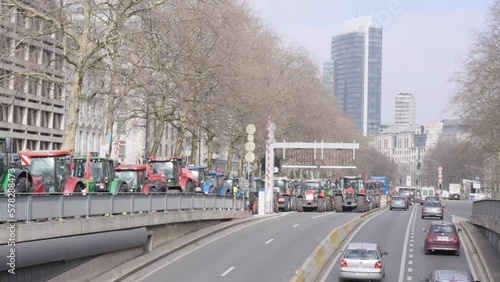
400 234
271 250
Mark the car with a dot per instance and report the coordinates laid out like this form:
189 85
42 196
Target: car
417 197
442 236
399 202
432 209
362 262
449 275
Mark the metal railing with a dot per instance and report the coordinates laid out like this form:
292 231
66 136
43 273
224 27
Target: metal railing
487 208
33 207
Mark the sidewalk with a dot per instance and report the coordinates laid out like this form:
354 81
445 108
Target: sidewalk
488 265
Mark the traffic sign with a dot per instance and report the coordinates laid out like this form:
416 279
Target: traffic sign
25 160
440 180
250 129
250 146
249 157
440 168
440 176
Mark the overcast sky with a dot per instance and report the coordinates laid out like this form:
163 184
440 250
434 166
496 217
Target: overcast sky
424 41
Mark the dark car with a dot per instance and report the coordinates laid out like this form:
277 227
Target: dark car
449 275
399 202
442 236
432 209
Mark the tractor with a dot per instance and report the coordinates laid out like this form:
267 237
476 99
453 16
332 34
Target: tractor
140 179
230 187
50 172
213 182
179 177
374 188
350 195
311 196
253 194
200 172
10 172
284 194
329 186
102 174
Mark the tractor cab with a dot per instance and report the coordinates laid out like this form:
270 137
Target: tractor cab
200 173
140 180
50 171
214 182
353 185
179 177
282 186
102 173
231 187
311 187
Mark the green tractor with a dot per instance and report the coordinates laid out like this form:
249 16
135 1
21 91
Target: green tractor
10 173
102 175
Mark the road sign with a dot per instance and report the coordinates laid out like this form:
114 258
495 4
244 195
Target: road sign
440 168
25 160
440 180
440 176
478 179
250 129
250 146
249 157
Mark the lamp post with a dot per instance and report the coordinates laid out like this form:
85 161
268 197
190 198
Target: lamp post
440 172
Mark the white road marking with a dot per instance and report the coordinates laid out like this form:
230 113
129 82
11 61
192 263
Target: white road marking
318 216
411 245
410 269
411 240
295 225
346 242
408 278
227 271
410 255
269 241
410 262
411 250
405 244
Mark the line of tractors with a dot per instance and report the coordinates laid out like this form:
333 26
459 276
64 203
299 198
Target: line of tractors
349 193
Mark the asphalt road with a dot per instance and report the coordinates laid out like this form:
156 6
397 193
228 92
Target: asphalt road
400 234
271 250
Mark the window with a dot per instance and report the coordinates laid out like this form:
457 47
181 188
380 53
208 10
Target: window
4 112
45 119
19 114
122 149
31 144
5 78
57 122
44 88
44 145
20 49
20 19
46 58
32 117
19 83
33 54
56 146
32 86
57 91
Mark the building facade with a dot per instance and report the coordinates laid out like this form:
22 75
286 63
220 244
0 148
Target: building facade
328 77
357 56
404 109
32 107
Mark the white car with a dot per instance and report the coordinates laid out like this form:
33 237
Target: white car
362 262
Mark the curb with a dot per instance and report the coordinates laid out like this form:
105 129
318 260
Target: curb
133 266
314 264
481 267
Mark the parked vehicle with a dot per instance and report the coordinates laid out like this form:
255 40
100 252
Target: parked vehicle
102 177
398 202
442 236
50 172
426 192
213 182
200 172
253 195
432 209
350 195
363 262
449 275
311 196
11 172
284 195
140 179
230 187
179 177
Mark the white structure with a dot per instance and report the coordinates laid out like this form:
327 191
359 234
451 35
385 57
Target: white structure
404 109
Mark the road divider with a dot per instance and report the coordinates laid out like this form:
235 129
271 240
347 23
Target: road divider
315 263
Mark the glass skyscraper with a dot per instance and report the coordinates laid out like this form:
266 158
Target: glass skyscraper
357 56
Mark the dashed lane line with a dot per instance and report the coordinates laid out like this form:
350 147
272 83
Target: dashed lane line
227 271
405 244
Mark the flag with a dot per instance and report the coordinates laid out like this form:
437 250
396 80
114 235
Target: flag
87 167
117 149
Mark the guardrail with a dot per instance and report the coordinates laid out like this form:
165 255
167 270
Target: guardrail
486 208
31 207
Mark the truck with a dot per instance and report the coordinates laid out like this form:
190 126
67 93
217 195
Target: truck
350 195
50 172
311 197
102 174
140 179
454 191
179 177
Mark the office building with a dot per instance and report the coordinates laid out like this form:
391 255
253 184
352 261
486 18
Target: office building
357 57
404 109
328 77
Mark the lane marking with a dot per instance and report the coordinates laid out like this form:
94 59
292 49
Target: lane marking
405 247
410 269
269 241
340 247
408 278
295 225
227 271
318 216
410 262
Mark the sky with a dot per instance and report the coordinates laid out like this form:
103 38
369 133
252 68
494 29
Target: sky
424 42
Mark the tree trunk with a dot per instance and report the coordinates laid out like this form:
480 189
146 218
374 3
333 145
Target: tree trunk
230 152
210 150
240 166
110 115
160 128
180 136
73 111
194 146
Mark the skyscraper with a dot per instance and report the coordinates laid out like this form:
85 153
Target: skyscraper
357 56
405 109
328 75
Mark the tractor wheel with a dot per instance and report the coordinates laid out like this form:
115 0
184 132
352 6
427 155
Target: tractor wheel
23 185
321 205
300 208
255 205
295 204
190 187
338 201
153 190
212 190
78 188
287 204
276 206
361 201
123 188
228 193
329 205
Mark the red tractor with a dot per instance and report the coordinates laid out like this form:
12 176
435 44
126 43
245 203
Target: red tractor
350 195
50 171
312 196
179 177
141 179
284 195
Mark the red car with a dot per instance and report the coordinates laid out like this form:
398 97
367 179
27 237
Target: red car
442 236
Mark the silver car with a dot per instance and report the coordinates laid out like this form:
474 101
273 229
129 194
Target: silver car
432 209
449 275
362 262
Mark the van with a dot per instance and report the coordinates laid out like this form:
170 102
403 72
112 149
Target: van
426 192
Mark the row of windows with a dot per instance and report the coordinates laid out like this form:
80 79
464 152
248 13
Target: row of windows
33 86
30 116
30 53
31 144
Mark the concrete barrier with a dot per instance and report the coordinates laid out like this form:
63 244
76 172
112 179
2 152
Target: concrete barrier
315 263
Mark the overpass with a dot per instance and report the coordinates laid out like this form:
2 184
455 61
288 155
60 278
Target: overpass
46 235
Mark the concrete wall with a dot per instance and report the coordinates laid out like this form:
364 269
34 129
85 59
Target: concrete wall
493 239
162 234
